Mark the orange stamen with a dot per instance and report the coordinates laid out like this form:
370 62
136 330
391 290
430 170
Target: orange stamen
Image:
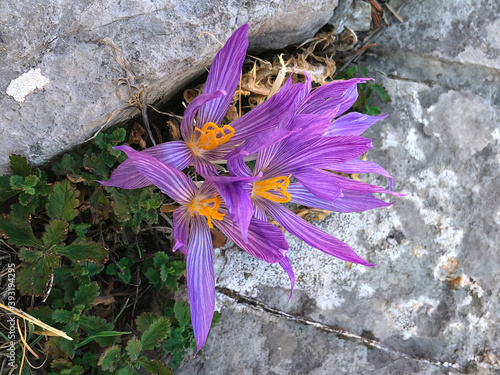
207 207
212 136
278 185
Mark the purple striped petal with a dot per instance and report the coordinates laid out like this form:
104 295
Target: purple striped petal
311 234
180 226
336 93
318 153
200 279
362 187
353 123
350 201
237 166
285 264
224 75
265 241
319 183
361 166
171 181
204 167
193 108
126 176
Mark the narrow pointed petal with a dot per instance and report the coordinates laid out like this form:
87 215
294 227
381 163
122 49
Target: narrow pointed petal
265 241
224 75
311 234
363 187
353 123
321 184
350 201
285 264
361 166
171 181
336 93
200 279
237 166
204 167
180 225
126 176
192 109
319 152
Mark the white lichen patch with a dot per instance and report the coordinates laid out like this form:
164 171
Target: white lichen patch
404 315
26 84
412 147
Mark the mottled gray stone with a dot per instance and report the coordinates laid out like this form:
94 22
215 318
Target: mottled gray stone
431 305
160 38
355 14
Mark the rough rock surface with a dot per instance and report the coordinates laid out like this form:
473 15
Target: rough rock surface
431 305
160 38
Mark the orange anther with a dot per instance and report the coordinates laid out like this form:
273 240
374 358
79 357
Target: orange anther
212 136
207 207
277 185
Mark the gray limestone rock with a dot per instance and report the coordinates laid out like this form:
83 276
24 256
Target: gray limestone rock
160 38
431 305
355 14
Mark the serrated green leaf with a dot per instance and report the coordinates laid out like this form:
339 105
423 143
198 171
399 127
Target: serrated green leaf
144 321
30 256
20 213
33 278
19 165
43 313
16 181
133 348
6 191
86 295
80 229
96 165
62 316
156 333
55 232
83 250
154 367
93 268
63 202
380 91
109 358
182 313
127 370
20 235
91 324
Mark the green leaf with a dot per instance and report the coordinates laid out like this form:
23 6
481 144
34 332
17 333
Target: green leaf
86 295
144 321
127 370
83 250
156 333
55 232
364 71
108 359
133 348
33 278
100 335
216 318
350 72
20 235
16 182
182 313
63 201
154 367
380 91
6 191
373 110
19 165
62 316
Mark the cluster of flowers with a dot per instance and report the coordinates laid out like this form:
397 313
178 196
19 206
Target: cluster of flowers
290 136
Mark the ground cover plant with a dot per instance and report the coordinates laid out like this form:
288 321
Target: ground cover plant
94 261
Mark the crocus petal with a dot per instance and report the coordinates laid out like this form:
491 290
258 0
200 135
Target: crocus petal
319 183
353 123
224 75
318 153
171 181
192 109
350 201
285 264
204 167
176 153
361 166
237 166
265 241
180 226
277 112
200 279
336 93
236 194
311 234
362 187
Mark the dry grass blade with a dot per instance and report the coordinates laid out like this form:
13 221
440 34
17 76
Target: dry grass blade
35 321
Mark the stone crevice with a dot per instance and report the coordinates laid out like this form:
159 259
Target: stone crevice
338 331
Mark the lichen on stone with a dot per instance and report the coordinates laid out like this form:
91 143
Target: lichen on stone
26 84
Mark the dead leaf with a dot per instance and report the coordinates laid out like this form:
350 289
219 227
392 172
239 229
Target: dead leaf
218 239
232 113
166 208
137 135
311 213
174 130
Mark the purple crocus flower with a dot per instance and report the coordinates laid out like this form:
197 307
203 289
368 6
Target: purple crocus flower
205 138
199 210
313 147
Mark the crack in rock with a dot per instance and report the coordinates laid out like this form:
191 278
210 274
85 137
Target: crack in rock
338 331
